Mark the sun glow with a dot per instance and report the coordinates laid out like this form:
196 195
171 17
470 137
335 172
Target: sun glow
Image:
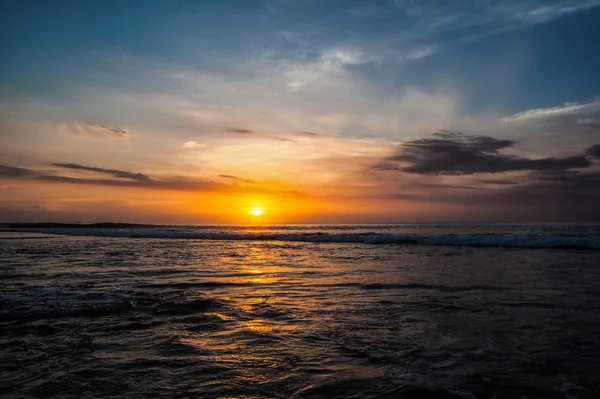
259 209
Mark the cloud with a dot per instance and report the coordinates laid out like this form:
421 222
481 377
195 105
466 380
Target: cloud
12 172
132 180
500 182
454 153
481 19
590 123
96 131
561 127
241 131
330 64
555 179
262 106
115 173
193 144
256 134
422 27
568 109
546 13
593 151
237 178
421 52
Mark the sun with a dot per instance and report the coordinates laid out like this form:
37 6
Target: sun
256 212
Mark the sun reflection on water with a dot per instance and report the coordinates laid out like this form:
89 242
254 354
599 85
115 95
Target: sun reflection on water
256 321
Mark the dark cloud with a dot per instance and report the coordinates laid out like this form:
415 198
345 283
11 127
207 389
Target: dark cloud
438 186
500 182
593 151
552 189
133 181
309 134
10 171
237 178
242 131
455 153
113 172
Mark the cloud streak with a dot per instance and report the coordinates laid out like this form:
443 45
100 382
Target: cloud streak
237 178
568 109
96 131
131 180
240 131
115 173
590 123
248 132
481 19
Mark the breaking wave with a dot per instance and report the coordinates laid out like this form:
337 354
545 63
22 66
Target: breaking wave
591 242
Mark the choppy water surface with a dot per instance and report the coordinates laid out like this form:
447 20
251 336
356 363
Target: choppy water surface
137 317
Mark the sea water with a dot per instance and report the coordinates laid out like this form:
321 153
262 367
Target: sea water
305 311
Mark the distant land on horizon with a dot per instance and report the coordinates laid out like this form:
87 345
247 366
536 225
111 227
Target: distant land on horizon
121 225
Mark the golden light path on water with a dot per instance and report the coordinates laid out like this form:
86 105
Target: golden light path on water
258 267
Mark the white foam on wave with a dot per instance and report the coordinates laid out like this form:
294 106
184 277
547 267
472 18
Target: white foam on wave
471 240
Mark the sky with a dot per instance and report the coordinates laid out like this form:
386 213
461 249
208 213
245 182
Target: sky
300 111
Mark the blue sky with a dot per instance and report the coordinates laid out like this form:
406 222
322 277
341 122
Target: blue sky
202 89
550 46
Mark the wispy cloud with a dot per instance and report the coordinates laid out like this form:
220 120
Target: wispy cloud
240 131
131 180
569 109
501 182
591 123
421 52
193 144
96 131
237 178
480 19
113 172
423 29
328 65
13 172
248 132
554 179
540 13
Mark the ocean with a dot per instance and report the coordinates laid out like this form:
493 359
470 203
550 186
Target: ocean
300 311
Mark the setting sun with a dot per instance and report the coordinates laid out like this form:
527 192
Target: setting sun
256 212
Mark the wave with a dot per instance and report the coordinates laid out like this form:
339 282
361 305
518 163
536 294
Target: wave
591 242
